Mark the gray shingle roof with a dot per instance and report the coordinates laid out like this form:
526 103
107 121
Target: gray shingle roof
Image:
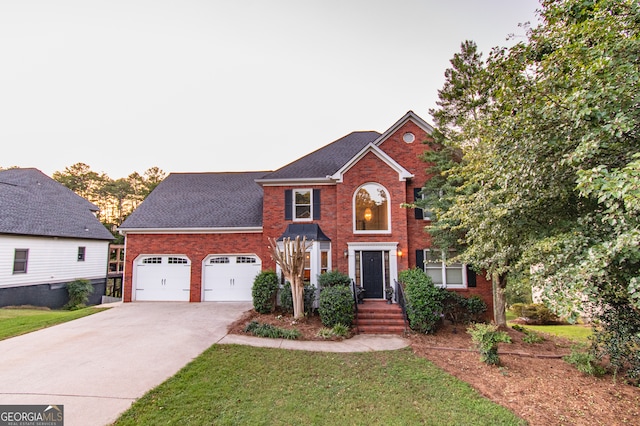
326 160
31 203
201 200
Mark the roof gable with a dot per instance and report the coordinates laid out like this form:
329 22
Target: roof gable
31 203
201 201
403 174
409 116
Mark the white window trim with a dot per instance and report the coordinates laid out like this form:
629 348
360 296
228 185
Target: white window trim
353 212
294 205
443 269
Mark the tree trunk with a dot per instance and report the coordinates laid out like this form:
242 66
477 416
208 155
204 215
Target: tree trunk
297 294
499 283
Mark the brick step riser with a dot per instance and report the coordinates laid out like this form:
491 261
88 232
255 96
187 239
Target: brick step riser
396 320
381 330
381 316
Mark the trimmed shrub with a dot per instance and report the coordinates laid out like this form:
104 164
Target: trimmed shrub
265 287
332 278
286 298
271 331
534 313
79 291
462 310
336 306
423 300
486 338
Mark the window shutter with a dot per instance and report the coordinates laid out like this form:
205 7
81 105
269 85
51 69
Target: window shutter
316 204
471 277
420 259
416 197
288 207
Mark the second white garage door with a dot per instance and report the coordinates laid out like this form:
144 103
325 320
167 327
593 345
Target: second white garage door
229 278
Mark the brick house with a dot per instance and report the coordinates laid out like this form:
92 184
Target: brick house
204 236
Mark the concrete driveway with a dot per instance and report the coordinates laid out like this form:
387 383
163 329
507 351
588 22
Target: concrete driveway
98 365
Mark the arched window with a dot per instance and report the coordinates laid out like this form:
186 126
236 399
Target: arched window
371 208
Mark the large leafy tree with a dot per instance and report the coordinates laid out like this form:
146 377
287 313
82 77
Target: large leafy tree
550 182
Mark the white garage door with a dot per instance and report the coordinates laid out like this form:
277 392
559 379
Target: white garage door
229 278
163 278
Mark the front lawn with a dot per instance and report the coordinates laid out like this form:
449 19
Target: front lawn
232 384
17 321
577 332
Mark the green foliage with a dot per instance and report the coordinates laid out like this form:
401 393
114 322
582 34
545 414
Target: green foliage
332 278
265 287
423 300
617 337
535 313
79 291
461 310
336 306
486 338
273 332
530 336
286 299
100 189
519 289
585 361
337 330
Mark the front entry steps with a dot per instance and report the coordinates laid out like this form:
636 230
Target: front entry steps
379 317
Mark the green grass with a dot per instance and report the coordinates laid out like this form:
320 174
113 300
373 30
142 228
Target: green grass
238 385
17 321
579 333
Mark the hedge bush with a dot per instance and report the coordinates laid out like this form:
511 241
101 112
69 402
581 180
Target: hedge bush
332 278
265 287
79 291
535 313
423 300
286 298
336 306
462 310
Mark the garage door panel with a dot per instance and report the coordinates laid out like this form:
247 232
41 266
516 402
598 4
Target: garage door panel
163 278
229 278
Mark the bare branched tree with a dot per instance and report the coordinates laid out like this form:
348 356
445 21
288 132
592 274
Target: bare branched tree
291 262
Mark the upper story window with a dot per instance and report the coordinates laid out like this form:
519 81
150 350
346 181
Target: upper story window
371 209
81 253
302 204
20 259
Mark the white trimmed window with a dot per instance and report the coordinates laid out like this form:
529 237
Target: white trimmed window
371 213
302 204
452 275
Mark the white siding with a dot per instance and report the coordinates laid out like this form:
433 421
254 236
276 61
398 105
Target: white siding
52 260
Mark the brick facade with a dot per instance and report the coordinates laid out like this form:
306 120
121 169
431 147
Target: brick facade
336 216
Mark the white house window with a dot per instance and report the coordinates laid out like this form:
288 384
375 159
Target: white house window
21 256
452 275
371 208
81 253
302 204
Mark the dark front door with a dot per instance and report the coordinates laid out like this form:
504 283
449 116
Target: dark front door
372 278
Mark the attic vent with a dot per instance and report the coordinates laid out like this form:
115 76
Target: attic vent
409 137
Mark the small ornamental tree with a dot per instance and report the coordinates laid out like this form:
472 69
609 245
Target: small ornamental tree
291 262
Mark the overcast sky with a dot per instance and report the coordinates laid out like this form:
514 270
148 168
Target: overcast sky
208 85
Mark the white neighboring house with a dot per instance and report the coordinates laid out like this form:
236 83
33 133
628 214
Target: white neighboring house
49 236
